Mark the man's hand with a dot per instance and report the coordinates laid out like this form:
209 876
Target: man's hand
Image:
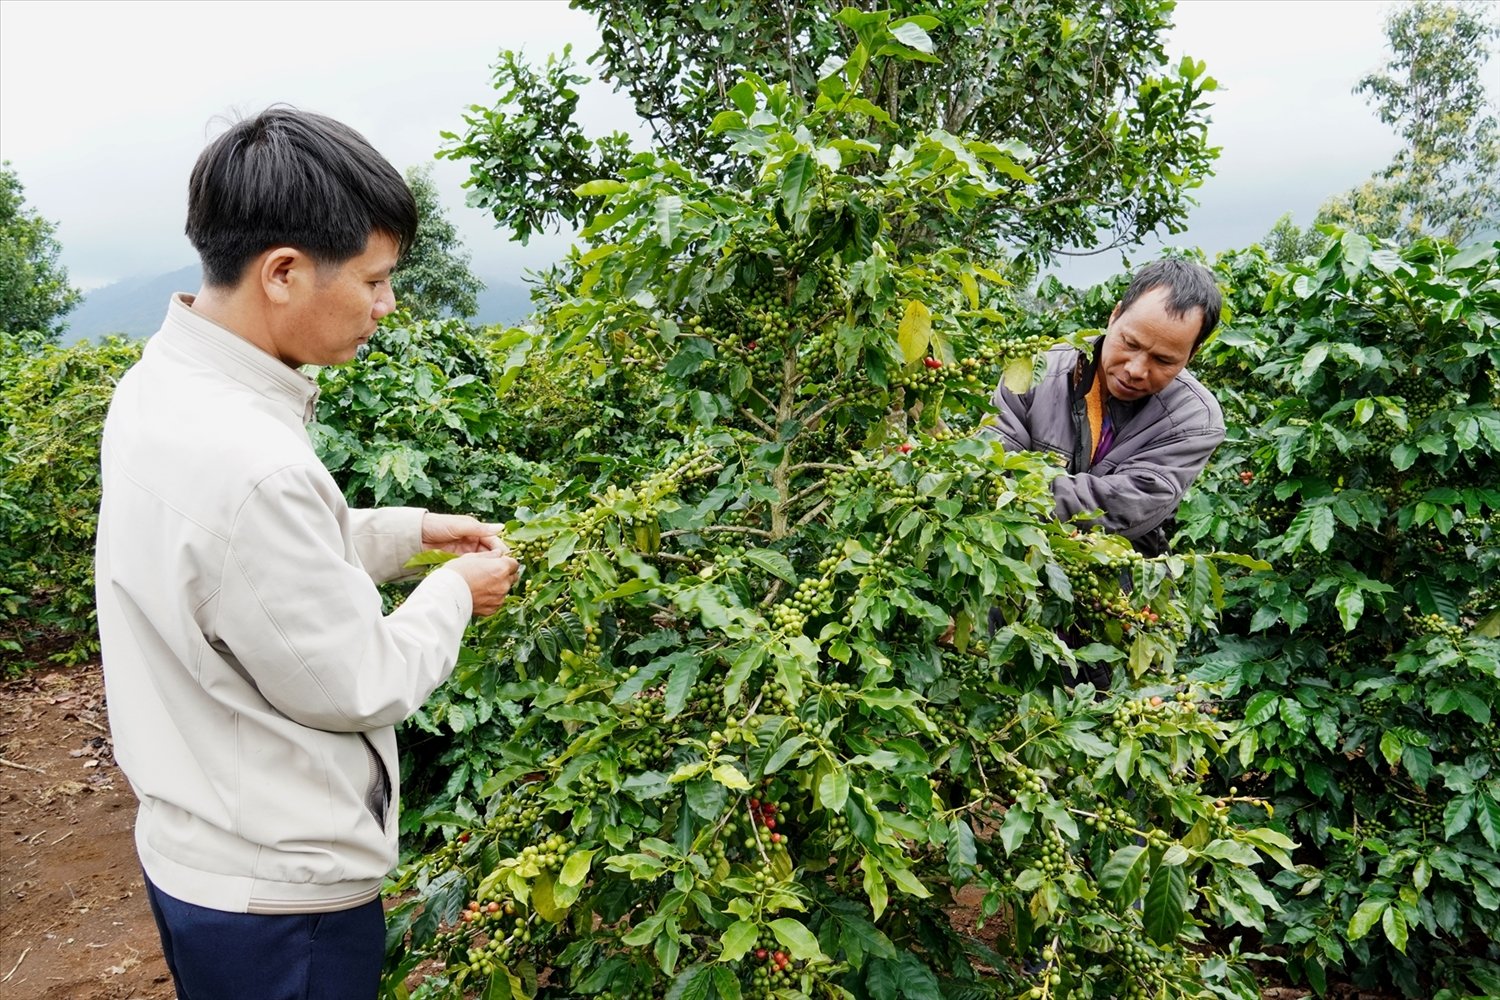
490 575
461 534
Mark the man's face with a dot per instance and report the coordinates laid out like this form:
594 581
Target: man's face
1145 346
340 309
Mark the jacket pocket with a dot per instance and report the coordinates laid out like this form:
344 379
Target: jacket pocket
378 790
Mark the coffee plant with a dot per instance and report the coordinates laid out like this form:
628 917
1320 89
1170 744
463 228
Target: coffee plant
52 405
787 690
1364 665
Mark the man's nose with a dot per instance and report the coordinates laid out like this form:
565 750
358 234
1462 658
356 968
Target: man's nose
386 303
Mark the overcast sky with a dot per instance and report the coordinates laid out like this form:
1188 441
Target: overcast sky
104 107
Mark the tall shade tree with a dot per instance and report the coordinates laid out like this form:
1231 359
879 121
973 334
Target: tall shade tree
34 290
1103 140
1446 180
434 279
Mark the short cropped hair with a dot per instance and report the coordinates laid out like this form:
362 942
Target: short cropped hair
292 178
1189 286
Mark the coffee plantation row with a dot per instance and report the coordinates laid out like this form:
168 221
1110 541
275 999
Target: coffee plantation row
777 710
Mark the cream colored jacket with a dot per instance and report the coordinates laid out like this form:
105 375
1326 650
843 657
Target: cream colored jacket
253 681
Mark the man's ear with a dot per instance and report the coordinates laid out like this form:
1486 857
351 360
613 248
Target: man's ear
1114 315
280 270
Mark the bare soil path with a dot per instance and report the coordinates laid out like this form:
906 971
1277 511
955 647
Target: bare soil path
74 922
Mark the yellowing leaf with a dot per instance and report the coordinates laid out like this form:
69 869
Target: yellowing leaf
730 777
1017 375
542 900
915 332
875 886
971 288
576 868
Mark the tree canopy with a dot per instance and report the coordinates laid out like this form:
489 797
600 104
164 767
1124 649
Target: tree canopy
1104 140
34 290
1445 181
434 278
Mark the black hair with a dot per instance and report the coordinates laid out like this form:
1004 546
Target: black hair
1189 286
292 178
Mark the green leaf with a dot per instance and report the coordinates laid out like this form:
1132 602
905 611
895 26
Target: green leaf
432 557
962 850
707 797
740 668
907 882
1166 904
797 179
1261 708
1456 815
1487 811
784 753
593 189
1311 361
679 685
725 985
693 983
912 36
798 939
503 986
1320 527
737 940
1015 827
742 95
668 218
1351 605
833 790
1365 917
772 562
1125 872
1393 921
1390 748
1356 252
905 977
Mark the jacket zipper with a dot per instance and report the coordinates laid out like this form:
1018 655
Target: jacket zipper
378 791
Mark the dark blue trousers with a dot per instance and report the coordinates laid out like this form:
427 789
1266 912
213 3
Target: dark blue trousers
215 955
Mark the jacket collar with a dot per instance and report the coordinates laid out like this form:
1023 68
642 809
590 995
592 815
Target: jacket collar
1084 372
226 351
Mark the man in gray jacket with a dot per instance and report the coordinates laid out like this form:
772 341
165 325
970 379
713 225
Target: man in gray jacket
1132 424
254 680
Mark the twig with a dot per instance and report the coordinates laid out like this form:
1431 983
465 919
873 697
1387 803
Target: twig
825 466
818 413
804 493
21 767
59 840
748 414
741 529
806 518
13 968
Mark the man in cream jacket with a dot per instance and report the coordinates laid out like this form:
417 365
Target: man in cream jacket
253 681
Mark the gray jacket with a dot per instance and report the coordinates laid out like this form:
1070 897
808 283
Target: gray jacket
1161 444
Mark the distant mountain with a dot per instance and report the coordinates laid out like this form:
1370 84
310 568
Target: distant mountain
135 306
504 303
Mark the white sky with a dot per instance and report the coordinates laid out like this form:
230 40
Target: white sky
105 105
